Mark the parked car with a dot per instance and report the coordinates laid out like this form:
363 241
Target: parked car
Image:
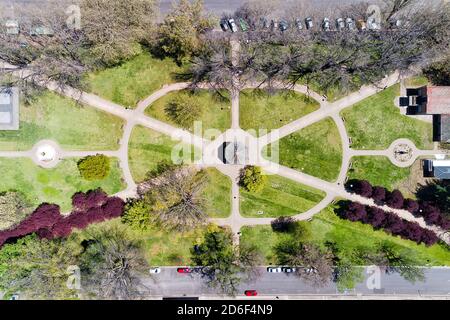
361 24
372 24
243 25
340 24
310 270
274 25
197 269
224 25
232 25
350 24
298 24
264 23
155 270
283 25
326 24
274 269
184 270
309 23
395 23
251 293
288 269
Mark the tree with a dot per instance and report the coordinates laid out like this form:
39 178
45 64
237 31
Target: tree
252 179
13 208
94 167
176 198
113 28
179 34
395 199
112 263
137 214
284 224
436 192
184 109
37 268
225 265
438 73
314 265
379 194
411 206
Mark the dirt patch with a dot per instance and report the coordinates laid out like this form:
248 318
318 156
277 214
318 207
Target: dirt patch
409 186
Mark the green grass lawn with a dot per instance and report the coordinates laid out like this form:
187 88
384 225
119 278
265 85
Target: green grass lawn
280 197
169 248
315 150
259 110
56 185
133 80
217 194
376 122
216 108
378 170
326 226
147 148
73 126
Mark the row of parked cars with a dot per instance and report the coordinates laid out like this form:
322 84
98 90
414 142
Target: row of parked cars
340 24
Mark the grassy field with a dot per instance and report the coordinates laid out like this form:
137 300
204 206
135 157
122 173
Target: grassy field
73 126
169 248
217 194
379 171
326 226
147 148
280 197
315 150
376 122
216 112
56 185
133 80
259 110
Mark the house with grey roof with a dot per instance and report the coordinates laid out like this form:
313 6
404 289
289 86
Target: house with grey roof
9 108
439 169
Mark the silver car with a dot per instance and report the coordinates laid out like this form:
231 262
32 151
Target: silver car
298 24
274 269
326 24
340 24
232 25
350 24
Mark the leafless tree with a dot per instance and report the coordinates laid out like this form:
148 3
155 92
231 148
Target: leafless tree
176 198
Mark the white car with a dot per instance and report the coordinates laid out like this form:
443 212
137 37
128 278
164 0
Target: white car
232 25
274 269
155 270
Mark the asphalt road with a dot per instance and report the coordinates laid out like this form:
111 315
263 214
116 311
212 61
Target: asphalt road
169 283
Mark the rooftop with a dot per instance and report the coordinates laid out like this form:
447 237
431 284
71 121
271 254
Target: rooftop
438 100
9 108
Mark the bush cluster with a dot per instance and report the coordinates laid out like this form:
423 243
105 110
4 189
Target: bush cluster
394 199
47 222
380 219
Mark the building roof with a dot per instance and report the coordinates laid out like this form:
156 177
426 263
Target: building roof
438 100
9 108
441 169
445 128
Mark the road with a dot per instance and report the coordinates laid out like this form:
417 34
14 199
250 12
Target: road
171 284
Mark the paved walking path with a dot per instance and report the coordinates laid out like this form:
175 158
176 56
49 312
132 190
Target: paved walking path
236 221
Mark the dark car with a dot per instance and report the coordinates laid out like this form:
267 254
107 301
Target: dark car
224 25
251 293
309 23
264 23
283 25
288 269
298 24
184 270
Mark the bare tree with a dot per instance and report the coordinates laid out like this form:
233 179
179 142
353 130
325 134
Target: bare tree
176 198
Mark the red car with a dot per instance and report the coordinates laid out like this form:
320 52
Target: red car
251 293
184 270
